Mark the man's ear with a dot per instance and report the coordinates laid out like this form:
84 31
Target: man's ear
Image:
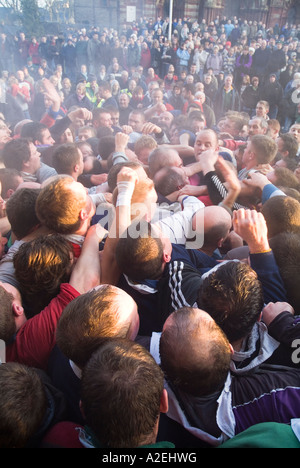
17 309
164 402
83 214
166 257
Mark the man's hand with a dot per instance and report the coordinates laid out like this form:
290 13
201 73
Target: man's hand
51 93
121 141
256 179
271 311
232 182
149 128
207 160
193 190
252 228
127 129
81 114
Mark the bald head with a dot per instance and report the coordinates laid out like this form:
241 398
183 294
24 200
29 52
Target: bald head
217 224
104 312
195 354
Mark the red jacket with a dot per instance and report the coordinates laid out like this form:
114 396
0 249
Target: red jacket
35 340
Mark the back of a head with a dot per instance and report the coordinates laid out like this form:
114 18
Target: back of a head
106 146
233 296
286 250
217 224
195 354
20 210
161 157
41 266
23 404
121 390
168 180
105 312
282 214
10 180
139 253
65 158
59 204
7 320
115 169
265 148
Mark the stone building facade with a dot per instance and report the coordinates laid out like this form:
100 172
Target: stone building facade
115 13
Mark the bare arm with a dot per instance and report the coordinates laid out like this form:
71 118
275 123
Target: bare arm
127 178
86 273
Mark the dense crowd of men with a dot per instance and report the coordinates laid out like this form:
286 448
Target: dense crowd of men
150 236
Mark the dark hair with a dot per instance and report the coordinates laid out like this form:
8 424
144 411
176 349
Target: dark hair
282 214
286 250
23 404
286 178
168 180
233 296
290 144
33 131
7 320
195 354
8 178
20 210
41 266
65 157
106 146
121 390
114 171
140 257
15 153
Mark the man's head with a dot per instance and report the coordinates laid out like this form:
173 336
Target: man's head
12 316
68 159
136 120
217 224
123 394
262 109
287 146
20 210
64 206
10 180
286 250
260 149
104 312
282 214
101 118
22 155
41 266
23 404
295 131
163 157
143 252
206 140
232 124
233 296
143 147
195 353
258 126
169 180
124 100
38 133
